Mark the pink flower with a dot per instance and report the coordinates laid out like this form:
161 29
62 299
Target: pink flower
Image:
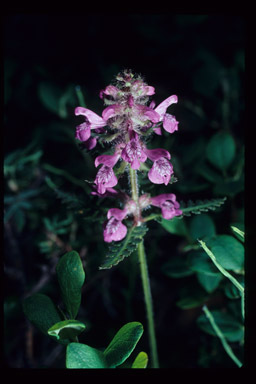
114 229
170 124
108 160
139 89
92 121
105 178
133 153
111 111
110 90
168 204
161 171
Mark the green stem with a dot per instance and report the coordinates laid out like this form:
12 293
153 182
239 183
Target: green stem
148 304
144 274
221 337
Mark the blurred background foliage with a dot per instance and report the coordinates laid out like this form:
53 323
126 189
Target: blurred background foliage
53 63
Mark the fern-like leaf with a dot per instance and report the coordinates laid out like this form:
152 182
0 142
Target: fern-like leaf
200 206
119 250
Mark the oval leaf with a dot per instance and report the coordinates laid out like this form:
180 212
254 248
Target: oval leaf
221 149
81 356
66 330
71 277
41 311
228 251
141 360
201 226
174 226
123 344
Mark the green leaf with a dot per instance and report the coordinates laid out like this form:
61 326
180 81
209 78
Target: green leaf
141 361
199 262
229 326
119 250
201 226
174 226
66 330
176 268
41 311
123 344
71 276
228 251
209 283
200 206
81 356
220 150
191 299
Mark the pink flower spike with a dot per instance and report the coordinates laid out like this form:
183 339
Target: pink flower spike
105 178
170 124
114 230
83 132
108 160
162 107
168 204
95 120
161 171
157 153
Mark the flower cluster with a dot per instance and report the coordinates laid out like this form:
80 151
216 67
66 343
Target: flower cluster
127 121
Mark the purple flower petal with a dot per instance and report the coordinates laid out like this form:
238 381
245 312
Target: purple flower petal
105 178
114 230
168 204
162 107
83 132
110 90
160 199
134 154
109 160
91 143
157 153
119 214
170 124
161 171
110 111
95 120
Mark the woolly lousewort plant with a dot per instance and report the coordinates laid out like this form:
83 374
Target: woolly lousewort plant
128 122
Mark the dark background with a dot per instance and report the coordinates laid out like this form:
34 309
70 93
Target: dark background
198 57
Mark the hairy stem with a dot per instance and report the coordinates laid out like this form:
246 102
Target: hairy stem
144 274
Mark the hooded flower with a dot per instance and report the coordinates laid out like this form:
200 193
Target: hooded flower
168 204
170 124
162 169
133 153
92 121
114 229
105 179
